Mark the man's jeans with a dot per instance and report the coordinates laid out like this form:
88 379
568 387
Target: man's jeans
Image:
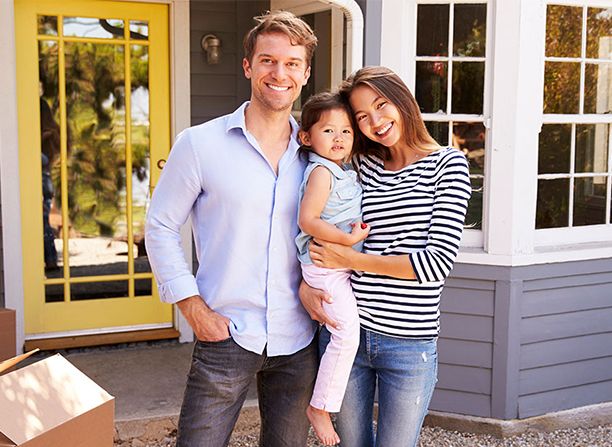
217 386
406 371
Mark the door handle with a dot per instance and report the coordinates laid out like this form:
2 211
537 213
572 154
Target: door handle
161 163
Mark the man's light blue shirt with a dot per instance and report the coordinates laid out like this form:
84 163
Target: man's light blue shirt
244 222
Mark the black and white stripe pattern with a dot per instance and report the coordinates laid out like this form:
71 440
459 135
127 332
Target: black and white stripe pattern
418 210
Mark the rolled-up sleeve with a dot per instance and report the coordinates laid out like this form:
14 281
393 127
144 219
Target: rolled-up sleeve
173 198
452 193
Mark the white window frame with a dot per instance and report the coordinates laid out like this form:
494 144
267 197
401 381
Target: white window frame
590 233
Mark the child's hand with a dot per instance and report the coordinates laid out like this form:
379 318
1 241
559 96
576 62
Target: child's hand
359 232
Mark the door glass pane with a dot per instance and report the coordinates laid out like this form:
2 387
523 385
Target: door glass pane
554 149
54 293
95 88
139 29
598 88
431 86
141 170
473 218
599 33
50 134
589 201
143 287
552 208
96 290
439 131
561 87
591 148
470 30
470 139
93 27
468 87
563 31
432 30
47 25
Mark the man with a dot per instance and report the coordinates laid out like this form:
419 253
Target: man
238 177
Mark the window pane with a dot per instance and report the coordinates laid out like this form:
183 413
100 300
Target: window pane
591 148
561 87
554 149
139 29
473 218
470 139
599 33
597 88
47 25
96 290
470 30
439 131
90 27
143 287
432 30
431 86
552 203
468 87
563 31
96 166
589 201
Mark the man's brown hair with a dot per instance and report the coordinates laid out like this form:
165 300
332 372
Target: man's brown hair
283 22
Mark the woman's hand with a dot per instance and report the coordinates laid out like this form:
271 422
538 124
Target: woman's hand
330 255
312 300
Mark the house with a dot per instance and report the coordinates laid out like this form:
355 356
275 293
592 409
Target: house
523 87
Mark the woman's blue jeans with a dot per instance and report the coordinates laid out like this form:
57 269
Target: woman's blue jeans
406 371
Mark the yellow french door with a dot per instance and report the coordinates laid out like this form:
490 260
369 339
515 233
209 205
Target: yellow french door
94 119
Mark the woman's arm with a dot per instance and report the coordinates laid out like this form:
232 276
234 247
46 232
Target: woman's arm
330 255
315 197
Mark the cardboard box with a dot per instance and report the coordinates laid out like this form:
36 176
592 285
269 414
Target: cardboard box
8 337
51 403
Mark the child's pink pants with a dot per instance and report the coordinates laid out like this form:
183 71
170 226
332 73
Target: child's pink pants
337 361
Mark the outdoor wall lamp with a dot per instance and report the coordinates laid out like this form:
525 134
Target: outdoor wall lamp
211 45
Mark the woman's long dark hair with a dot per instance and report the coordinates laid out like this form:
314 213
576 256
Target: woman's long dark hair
390 86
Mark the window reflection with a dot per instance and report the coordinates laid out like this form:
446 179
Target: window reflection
468 87
599 33
432 30
439 131
470 29
589 201
554 149
598 88
591 148
473 218
431 86
93 27
553 203
47 25
563 31
561 87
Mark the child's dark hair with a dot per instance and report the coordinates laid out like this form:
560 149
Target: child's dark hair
320 103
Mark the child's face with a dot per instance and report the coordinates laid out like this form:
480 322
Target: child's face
331 137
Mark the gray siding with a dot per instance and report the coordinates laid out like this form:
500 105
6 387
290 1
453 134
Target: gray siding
219 89
525 341
566 339
465 347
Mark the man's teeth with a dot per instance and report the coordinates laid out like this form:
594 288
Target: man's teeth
384 129
278 88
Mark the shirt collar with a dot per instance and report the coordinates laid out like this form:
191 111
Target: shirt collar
237 120
333 167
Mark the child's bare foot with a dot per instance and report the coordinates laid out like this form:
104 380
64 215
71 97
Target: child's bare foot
322 424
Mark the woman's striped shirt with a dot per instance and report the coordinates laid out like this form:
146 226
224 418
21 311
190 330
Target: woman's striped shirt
418 210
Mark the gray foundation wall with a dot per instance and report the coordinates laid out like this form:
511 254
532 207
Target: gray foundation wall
525 341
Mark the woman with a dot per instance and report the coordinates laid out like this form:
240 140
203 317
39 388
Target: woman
415 196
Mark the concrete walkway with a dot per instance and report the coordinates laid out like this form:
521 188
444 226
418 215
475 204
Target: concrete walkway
146 379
